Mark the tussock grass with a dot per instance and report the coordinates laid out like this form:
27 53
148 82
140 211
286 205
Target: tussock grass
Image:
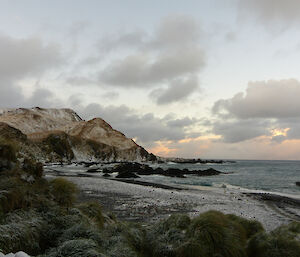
64 191
40 217
94 212
21 231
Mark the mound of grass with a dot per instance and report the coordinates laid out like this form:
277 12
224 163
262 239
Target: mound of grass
217 235
33 168
251 227
21 231
8 159
64 191
75 248
273 245
93 211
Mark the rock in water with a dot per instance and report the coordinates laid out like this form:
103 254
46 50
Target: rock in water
127 174
298 183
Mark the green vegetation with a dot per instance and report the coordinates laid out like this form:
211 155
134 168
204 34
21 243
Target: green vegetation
60 144
43 218
64 192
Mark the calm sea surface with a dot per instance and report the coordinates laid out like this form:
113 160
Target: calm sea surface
271 176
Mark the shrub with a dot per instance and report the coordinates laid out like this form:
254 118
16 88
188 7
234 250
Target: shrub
251 227
179 221
13 194
8 157
275 244
21 231
64 191
93 211
190 249
76 248
59 143
217 235
33 168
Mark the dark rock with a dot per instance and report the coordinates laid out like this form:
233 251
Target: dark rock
174 173
93 170
158 171
128 170
194 161
298 183
127 174
209 172
106 175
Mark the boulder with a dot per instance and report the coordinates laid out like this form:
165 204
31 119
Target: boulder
298 183
173 172
127 174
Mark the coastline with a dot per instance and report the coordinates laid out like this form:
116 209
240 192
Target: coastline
133 200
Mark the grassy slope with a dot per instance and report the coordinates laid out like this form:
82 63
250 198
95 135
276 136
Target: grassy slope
42 218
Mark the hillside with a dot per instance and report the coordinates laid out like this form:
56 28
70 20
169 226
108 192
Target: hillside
61 135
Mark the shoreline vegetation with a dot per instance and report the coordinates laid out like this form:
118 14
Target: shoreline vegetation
45 215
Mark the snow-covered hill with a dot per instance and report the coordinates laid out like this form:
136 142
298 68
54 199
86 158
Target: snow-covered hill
83 140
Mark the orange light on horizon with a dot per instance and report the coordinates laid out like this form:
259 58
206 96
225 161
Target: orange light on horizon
203 138
162 149
279 132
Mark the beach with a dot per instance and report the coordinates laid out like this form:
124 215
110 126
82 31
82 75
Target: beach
149 203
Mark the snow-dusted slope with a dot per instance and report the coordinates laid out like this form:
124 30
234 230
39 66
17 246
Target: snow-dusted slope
101 132
38 124
38 119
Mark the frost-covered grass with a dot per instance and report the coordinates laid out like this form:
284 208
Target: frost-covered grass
43 219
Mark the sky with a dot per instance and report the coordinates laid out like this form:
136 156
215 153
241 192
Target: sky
207 79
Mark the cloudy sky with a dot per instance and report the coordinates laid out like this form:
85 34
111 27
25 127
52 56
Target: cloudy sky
208 79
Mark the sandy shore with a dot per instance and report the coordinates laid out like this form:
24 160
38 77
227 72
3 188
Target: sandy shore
146 202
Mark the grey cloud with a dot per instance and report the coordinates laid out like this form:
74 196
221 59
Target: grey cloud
10 94
78 28
122 40
41 97
274 14
146 128
141 70
237 131
263 99
172 31
111 95
177 31
149 61
80 81
266 105
186 121
25 57
279 139
177 90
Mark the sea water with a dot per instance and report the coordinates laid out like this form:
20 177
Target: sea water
263 176
267 176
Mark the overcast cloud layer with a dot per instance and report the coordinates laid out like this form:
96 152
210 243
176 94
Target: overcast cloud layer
276 15
146 128
264 105
188 79
21 59
168 60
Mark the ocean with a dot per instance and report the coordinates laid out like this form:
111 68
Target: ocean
266 176
256 176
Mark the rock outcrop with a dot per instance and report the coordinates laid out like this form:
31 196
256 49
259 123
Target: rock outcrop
132 170
61 135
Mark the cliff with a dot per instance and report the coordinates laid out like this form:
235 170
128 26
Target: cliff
61 135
